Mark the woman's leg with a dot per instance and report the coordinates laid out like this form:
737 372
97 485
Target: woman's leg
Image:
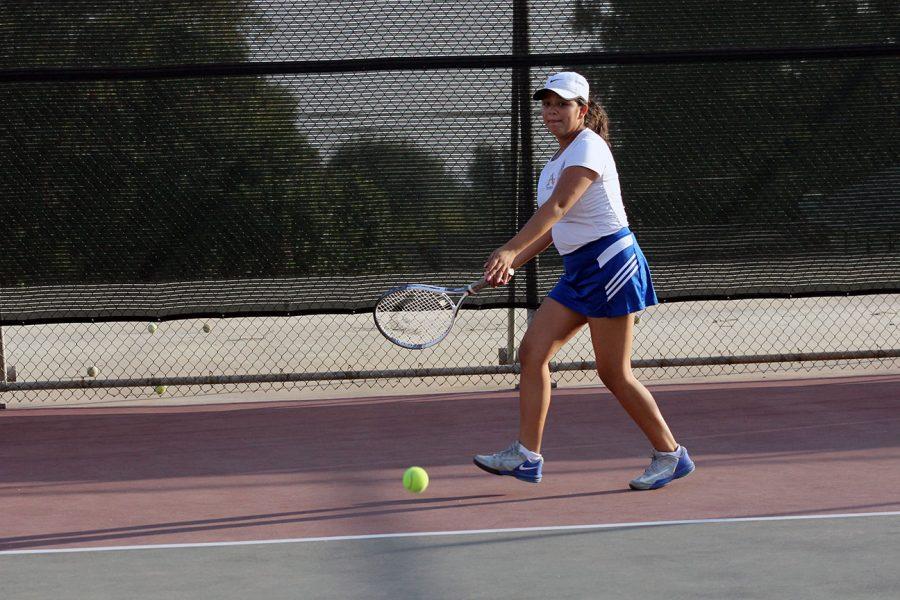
612 340
552 326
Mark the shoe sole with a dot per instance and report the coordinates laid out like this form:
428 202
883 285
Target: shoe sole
502 473
665 482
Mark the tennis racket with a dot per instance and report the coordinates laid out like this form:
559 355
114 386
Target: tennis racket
417 316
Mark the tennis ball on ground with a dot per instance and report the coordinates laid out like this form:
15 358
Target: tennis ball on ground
207 328
160 389
415 479
152 327
92 371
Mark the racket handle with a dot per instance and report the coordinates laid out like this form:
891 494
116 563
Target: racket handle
482 283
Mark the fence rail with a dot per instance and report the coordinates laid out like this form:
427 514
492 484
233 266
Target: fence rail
416 63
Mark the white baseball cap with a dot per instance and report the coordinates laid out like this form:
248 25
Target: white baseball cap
568 84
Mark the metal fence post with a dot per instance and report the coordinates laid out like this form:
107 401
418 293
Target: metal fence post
521 163
509 357
526 199
2 366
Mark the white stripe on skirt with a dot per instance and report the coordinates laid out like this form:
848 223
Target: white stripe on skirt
615 248
629 274
620 274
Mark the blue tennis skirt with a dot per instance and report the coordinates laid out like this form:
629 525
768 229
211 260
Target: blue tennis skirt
608 277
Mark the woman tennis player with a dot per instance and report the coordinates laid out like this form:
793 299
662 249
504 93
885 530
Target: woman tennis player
606 280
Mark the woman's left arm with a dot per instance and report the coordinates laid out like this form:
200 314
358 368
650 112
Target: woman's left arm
572 184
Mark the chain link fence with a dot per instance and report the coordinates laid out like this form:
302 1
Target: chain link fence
340 353
177 159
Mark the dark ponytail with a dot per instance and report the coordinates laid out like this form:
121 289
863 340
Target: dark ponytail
597 119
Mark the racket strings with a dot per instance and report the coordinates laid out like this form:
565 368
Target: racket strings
415 316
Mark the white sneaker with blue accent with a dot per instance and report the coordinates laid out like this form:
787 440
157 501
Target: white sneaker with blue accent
512 461
664 467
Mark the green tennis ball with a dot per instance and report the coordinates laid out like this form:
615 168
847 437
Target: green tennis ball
152 327
207 328
160 389
637 319
92 371
415 479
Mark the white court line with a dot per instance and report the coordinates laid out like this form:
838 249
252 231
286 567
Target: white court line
381 536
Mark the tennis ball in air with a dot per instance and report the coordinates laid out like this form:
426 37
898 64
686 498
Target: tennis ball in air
152 327
637 319
92 371
207 328
415 479
160 389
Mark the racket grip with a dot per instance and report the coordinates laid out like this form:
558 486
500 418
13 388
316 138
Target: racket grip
482 283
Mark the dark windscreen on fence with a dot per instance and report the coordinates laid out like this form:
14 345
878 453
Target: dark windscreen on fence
239 157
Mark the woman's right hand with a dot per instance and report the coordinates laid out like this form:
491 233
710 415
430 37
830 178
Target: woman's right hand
498 267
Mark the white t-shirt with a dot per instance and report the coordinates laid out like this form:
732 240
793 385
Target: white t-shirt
599 211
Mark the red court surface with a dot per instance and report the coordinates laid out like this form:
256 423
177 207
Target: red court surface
87 477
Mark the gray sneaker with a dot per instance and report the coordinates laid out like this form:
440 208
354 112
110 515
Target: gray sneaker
511 462
664 467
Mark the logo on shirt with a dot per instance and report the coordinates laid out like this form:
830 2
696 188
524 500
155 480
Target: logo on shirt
551 181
